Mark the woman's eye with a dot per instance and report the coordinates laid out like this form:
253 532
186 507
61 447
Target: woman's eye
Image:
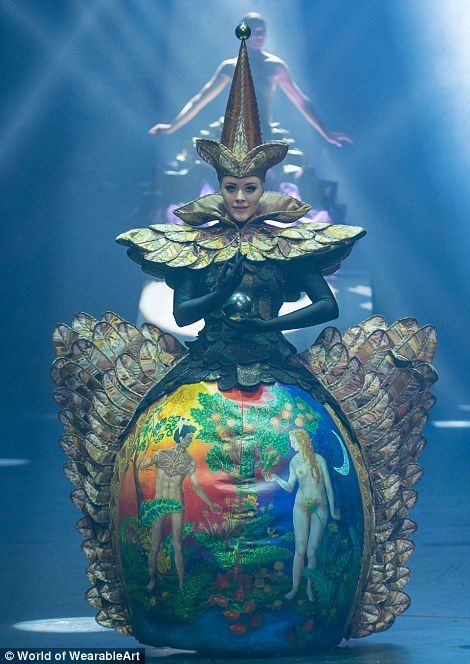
230 188
251 188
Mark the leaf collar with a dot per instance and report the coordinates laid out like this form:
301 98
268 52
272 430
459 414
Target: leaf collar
272 205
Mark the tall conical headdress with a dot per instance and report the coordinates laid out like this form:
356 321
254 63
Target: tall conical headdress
241 152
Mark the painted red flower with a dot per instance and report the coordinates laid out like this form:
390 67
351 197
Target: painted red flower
220 600
308 625
290 634
238 628
256 621
249 606
231 614
221 581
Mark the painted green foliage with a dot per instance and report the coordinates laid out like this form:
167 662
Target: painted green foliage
241 567
155 429
152 432
153 509
244 542
239 579
243 442
186 597
334 578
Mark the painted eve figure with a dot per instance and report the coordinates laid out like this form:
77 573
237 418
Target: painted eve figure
172 466
269 72
313 499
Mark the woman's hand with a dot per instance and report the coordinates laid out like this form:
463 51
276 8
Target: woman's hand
230 276
336 514
160 129
272 477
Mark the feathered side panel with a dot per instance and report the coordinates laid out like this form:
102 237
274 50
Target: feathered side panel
103 369
381 376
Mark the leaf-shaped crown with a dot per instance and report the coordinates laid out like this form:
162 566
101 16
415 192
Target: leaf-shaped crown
255 162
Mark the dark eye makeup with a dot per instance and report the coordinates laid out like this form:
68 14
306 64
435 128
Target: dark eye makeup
250 188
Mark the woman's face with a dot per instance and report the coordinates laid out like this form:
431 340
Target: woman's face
241 196
293 442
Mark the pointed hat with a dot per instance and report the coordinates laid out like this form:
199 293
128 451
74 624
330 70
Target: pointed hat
241 152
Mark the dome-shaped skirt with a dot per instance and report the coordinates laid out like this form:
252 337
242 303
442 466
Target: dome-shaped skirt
240 521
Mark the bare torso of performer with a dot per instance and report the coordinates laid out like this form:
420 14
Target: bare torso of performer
269 72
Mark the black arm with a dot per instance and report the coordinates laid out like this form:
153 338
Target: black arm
323 308
188 309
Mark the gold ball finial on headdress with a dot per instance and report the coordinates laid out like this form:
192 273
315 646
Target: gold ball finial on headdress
243 31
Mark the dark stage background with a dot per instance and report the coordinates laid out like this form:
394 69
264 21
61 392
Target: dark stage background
83 81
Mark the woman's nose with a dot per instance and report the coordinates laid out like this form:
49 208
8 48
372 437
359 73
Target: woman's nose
240 195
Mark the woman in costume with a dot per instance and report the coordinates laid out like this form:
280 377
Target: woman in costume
362 397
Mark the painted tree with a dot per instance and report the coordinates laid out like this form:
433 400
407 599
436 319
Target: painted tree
244 441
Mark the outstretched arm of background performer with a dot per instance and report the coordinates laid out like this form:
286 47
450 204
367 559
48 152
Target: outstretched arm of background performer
322 309
187 309
201 493
303 104
329 491
208 92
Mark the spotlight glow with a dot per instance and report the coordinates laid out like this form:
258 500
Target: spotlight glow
34 96
166 652
61 625
7 463
451 424
63 61
361 290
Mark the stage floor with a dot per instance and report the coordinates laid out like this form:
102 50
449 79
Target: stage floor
43 568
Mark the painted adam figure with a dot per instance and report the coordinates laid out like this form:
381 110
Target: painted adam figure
255 406
172 466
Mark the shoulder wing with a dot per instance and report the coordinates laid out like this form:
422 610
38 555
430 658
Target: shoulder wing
169 245
330 244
